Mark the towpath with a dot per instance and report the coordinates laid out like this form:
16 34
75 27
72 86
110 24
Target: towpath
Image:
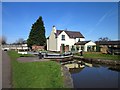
6 71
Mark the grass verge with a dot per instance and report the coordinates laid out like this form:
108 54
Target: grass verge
98 55
35 74
26 55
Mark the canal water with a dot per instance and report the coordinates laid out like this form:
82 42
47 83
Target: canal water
94 76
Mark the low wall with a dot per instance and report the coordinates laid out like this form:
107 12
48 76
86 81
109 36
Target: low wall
98 61
35 47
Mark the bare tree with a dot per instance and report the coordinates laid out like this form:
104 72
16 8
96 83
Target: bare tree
20 41
3 40
103 39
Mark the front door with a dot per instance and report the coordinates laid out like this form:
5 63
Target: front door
62 48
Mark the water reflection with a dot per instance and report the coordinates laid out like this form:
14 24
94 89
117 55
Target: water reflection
94 76
75 70
114 68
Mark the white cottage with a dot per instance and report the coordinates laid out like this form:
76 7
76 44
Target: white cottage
67 38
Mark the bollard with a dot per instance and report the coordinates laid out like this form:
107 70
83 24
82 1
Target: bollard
40 56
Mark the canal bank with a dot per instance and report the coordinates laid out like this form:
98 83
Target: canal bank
98 68
68 81
98 61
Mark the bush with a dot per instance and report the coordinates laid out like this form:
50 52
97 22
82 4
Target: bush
77 47
72 49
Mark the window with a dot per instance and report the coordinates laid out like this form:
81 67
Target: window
63 37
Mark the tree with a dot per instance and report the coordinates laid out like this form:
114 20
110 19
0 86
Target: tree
77 47
20 41
37 33
72 49
104 39
3 40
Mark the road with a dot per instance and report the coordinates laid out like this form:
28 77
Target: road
6 71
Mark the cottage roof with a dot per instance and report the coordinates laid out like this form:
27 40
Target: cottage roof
71 34
81 43
108 42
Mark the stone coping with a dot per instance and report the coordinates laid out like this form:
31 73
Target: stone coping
68 81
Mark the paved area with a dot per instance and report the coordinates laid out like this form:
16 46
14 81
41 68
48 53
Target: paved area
6 71
31 59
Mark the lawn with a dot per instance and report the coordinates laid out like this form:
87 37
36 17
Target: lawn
99 55
35 74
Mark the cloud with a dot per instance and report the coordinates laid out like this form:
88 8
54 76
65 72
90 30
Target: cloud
101 19
104 16
107 14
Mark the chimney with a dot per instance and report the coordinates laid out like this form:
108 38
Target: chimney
54 28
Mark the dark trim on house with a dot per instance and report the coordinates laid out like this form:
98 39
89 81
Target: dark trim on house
81 43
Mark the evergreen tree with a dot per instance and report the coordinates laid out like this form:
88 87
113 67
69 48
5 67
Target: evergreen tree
37 34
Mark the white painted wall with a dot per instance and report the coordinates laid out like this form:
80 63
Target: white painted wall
77 39
19 48
6 48
52 42
47 44
67 41
24 45
89 44
81 39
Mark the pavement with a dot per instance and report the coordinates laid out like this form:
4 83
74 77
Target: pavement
6 71
31 59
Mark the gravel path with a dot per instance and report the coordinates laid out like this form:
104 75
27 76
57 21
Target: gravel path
6 71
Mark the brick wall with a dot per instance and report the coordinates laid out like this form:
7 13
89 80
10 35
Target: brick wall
66 49
35 47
